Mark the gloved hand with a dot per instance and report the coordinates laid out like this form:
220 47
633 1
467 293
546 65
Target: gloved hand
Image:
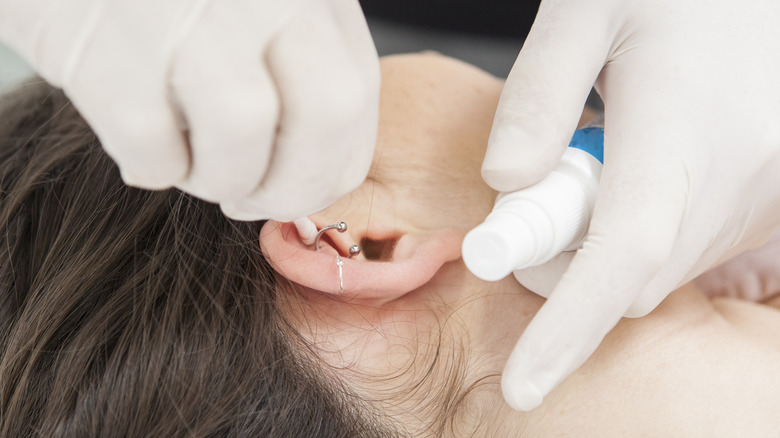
753 276
267 107
691 170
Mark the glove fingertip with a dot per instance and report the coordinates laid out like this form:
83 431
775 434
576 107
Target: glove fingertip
519 395
516 159
149 181
233 212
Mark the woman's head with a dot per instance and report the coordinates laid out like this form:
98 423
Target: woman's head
408 331
124 311
150 312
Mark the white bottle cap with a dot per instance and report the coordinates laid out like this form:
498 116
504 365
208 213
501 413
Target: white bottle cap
505 240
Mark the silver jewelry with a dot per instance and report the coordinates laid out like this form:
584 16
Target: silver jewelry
340 264
340 227
354 250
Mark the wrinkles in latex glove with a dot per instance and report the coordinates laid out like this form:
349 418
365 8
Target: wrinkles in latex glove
269 108
691 170
753 275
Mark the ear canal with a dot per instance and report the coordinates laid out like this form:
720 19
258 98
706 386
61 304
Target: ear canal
378 250
416 259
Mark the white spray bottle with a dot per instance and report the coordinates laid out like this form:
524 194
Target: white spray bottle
530 226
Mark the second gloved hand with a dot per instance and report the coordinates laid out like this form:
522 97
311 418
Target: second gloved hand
267 107
753 276
691 158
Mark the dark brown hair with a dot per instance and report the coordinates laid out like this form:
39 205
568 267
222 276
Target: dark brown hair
126 312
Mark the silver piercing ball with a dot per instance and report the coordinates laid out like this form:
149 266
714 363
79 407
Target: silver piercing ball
353 251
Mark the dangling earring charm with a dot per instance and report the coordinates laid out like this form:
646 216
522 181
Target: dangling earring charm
340 264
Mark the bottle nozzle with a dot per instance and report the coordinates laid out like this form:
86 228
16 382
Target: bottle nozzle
495 248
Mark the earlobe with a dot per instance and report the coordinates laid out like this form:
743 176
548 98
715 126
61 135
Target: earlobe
416 259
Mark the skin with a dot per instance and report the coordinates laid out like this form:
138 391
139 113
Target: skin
693 367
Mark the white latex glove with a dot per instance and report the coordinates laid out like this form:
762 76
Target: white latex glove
753 276
692 157
268 107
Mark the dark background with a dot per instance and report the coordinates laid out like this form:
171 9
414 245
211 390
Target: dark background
485 33
502 18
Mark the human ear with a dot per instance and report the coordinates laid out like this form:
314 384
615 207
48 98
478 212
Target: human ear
412 261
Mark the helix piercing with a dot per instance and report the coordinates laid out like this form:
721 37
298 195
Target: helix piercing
340 227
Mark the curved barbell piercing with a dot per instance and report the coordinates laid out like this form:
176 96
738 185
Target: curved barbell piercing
340 227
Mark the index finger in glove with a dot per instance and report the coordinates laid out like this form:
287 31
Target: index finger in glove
633 231
545 92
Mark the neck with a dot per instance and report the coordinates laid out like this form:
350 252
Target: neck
432 358
494 316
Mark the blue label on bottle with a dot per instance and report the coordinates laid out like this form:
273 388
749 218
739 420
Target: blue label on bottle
590 140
